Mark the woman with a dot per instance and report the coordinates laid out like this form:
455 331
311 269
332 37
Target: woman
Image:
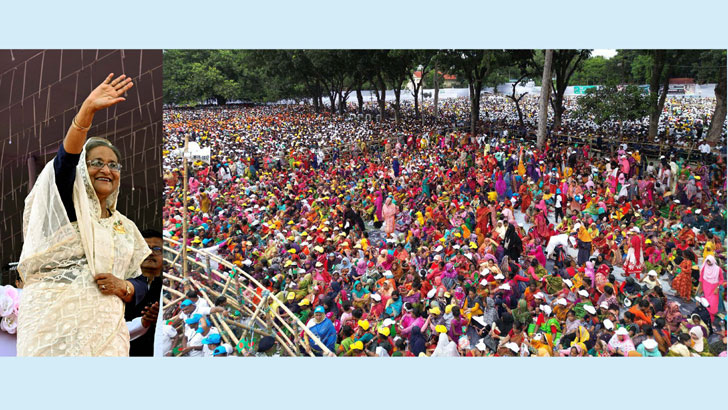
621 342
389 212
78 249
512 243
711 278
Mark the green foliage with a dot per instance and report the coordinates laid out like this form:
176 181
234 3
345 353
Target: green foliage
193 76
611 103
642 69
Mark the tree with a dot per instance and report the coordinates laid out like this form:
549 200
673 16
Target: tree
192 76
475 66
592 72
396 69
425 62
610 103
543 113
334 69
523 60
659 84
563 66
717 121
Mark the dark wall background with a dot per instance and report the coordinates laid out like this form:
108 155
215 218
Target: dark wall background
40 93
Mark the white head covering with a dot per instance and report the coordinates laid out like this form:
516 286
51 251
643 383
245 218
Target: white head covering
46 225
445 347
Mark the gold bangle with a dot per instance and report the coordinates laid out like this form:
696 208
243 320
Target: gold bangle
75 124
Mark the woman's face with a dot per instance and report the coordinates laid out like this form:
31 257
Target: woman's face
104 180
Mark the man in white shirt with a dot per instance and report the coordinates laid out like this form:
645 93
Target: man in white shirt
210 343
166 337
705 149
192 340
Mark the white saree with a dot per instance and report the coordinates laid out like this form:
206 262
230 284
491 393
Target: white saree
62 312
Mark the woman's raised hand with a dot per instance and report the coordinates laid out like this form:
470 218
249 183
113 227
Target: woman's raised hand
109 92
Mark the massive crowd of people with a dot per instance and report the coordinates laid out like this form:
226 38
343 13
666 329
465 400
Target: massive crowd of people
412 239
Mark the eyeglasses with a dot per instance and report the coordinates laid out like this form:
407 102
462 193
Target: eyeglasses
156 250
98 164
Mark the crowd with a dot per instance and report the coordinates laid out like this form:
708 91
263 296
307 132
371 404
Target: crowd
393 239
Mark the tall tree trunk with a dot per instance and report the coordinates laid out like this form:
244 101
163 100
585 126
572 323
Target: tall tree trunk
718 119
437 94
397 114
543 113
417 106
475 89
658 64
316 106
332 98
558 109
360 99
517 101
520 113
383 100
342 103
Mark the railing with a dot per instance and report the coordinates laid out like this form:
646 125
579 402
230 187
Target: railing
286 328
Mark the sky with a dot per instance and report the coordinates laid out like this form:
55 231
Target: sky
605 52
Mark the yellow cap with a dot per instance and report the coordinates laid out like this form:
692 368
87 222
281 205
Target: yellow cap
364 324
435 310
304 302
440 329
358 345
384 331
291 296
448 308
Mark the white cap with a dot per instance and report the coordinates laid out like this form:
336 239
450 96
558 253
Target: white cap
703 301
591 309
499 276
505 286
652 273
584 292
568 282
608 324
546 309
438 249
622 331
376 296
484 282
604 305
480 345
512 346
431 293
538 295
388 322
650 344
561 301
